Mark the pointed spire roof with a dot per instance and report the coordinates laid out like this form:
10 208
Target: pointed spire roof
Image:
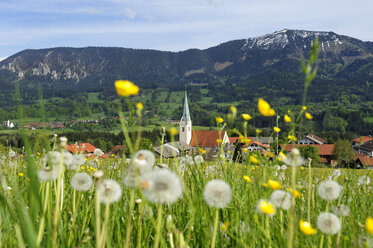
186 114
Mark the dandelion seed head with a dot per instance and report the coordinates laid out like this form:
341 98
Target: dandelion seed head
48 174
283 167
336 173
281 199
293 158
328 223
217 194
81 182
98 152
67 159
143 158
198 159
341 210
163 187
53 157
363 180
329 190
277 167
12 153
109 191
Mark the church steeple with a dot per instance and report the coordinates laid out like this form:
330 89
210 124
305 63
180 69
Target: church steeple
185 126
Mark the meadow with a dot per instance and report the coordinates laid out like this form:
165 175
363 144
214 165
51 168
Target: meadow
59 199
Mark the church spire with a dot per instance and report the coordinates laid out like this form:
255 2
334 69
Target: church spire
186 114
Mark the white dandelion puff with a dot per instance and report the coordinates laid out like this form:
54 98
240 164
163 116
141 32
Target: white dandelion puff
329 190
67 158
81 182
163 186
12 153
134 174
328 223
109 191
48 174
293 158
198 159
77 160
98 152
217 194
283 167
189 160
143 158
277 167
363 180
53 157
341 210
336 173
281 199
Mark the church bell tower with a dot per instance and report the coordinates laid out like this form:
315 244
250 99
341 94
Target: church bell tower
185 127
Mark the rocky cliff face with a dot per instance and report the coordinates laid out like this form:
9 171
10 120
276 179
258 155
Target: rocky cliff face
340 56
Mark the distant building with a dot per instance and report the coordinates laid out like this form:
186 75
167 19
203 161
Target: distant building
356 143
325 151
9 124
311 139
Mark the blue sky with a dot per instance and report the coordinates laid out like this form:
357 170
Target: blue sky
171 25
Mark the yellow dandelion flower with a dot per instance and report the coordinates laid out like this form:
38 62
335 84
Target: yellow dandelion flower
173 131
308 116
265 185
218 141
82 167
246 140
225 226
247 179
202 150
20 174
28 179
219 120
304 108
253 160
274 184
139 106
266 207
282 155
294 192
270 154
264 108
369 225
246 117
126 88
258 131
276 129
306 228
287 118
292 137
244 149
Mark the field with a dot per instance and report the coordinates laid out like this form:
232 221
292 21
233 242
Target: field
54 214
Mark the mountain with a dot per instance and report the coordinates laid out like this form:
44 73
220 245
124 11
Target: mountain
278 53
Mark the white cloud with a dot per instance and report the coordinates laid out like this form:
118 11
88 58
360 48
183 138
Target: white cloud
129 13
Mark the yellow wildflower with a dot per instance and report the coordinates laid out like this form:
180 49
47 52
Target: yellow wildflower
247 179
304 108
218 141
270 154
276 129
369 225
258 131
308 116
224 227
139 106
253 160
20 174
265 184
173 131
294 192
246 117
287 118
244 149
246 140
264 108
282 155
292 137
274 184
126 88
82 167
306 227
219 120
202 150
266 207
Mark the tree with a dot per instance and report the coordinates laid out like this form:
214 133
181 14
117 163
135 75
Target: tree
310 152
343 151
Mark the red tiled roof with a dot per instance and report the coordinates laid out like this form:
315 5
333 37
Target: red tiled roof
88 148
317 138
363 139
364 159
233 139
323 150
205 138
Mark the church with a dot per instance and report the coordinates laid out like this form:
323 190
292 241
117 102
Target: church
189 139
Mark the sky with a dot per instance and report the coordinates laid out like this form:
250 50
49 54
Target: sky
170 25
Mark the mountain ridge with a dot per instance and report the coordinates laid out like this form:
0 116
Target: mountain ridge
229 62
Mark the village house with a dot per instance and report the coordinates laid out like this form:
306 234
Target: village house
311 139
358 142
325 151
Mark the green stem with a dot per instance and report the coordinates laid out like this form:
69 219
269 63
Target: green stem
158 227
215 228
292 210
58 198
98 218
309 191
129 221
